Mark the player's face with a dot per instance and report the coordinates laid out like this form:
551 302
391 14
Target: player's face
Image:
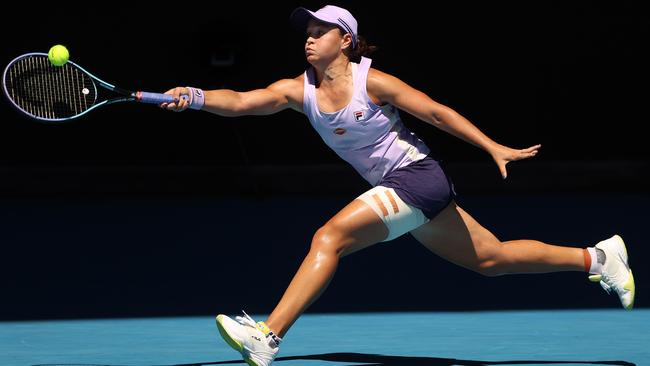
323 41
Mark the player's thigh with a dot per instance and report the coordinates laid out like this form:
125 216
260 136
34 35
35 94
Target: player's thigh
455 236
353 228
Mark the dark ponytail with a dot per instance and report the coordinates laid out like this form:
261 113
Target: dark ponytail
362 49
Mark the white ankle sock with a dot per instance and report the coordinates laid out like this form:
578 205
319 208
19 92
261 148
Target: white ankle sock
596 264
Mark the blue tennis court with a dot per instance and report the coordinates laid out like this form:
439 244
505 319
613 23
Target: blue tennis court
553 337
173 267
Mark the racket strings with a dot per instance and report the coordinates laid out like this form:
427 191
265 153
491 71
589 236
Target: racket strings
47 91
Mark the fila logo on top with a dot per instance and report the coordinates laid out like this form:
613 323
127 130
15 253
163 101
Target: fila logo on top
358 115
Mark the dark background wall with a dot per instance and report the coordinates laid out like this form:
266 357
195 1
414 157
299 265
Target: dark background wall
137 211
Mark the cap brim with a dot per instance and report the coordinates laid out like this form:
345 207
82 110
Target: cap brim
300 17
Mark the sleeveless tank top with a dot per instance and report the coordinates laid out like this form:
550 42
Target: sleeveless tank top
369 137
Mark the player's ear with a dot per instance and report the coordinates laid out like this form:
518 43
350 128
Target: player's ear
347 41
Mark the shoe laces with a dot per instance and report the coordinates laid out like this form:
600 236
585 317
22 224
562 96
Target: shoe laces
604 285
246 320
603 279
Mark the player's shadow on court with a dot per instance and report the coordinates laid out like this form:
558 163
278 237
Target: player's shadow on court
383 360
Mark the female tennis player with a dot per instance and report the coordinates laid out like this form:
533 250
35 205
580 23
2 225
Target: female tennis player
355 109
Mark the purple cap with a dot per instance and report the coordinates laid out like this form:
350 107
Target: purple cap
328 14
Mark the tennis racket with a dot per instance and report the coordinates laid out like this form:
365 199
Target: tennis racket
56 94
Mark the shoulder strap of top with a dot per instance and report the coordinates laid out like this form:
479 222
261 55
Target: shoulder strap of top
362 70
309 89
361 78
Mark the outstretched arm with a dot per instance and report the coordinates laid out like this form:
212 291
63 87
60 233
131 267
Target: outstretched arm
282 94
389 89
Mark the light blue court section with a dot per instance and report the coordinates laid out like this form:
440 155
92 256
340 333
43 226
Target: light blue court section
580 337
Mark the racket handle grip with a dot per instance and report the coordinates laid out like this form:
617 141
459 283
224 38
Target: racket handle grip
155 98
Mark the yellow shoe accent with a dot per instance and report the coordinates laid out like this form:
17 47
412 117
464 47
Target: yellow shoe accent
629 285
263 327
595 278
227 337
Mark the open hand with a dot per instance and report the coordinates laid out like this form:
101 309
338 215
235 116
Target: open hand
502 155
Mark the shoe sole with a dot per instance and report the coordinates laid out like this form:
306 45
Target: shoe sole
232 342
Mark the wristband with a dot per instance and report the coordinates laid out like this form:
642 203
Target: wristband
197 98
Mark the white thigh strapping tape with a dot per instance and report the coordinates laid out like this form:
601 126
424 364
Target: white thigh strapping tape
399 217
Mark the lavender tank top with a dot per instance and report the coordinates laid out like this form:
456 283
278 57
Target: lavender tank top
369 137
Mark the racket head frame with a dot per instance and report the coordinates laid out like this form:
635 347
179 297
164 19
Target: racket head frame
124 95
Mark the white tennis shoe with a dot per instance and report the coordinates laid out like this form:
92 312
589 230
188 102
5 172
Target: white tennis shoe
245 336
617 274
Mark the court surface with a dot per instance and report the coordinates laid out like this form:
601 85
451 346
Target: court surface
549 337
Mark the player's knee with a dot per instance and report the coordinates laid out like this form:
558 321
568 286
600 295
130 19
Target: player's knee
327 240
491 260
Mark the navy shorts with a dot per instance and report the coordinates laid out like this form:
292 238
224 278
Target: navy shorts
422 184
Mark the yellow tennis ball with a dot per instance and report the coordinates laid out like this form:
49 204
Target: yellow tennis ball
58 55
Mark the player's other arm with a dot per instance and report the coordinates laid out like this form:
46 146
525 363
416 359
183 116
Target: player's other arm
282 94
389 89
